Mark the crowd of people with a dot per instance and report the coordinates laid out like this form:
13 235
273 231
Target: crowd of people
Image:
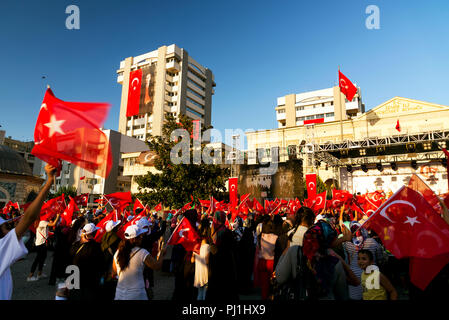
290 256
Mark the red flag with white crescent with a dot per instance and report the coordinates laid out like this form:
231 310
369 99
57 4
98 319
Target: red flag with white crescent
71 131
409 226
233 191
311 185
135 83
346 86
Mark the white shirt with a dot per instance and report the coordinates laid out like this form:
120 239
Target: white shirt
201 268
131 285
298 236
41 233
11 250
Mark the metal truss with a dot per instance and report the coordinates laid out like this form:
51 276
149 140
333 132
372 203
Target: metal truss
419 157
384 141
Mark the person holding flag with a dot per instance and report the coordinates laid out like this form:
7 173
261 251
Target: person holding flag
129 262
41 248
11 246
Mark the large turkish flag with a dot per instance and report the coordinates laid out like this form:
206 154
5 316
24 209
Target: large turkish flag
70 131
135 82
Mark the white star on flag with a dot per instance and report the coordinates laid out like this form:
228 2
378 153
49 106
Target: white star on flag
55 125
44 106
412 221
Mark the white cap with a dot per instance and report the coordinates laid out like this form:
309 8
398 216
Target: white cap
143 223
319 217
111 225
133 231
89 228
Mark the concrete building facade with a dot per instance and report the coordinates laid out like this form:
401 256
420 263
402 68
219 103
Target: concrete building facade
366 152
297 109
181 86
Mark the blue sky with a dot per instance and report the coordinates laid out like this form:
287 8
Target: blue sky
257 50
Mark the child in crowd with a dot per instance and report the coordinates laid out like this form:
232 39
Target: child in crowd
376 286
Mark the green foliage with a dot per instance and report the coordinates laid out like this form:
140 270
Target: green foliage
66 190
175 184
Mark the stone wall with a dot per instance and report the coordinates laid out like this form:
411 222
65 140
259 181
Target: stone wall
286 182
16 188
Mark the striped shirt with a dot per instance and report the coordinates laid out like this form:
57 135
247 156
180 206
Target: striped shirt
351 253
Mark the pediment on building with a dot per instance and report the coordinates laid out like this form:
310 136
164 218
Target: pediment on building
398 106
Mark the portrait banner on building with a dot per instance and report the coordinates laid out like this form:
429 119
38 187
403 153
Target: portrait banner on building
141 91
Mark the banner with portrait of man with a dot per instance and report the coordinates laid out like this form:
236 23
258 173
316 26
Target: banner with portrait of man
141 91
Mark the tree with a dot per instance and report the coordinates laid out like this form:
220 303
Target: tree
66 190
175 184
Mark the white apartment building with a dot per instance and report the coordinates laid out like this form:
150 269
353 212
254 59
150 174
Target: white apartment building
316 106
178 85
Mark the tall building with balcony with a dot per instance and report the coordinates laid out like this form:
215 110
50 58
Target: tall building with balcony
177 85
317 106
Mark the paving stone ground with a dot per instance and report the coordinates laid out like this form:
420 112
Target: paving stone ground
41 290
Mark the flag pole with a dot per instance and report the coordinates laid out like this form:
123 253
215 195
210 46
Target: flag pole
340 105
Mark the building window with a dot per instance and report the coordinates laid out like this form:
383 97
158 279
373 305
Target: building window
281 111
194 112
300 119
299 108
195 103
330 114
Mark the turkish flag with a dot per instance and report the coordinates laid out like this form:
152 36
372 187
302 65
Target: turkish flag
398 126
422 271
137 205
257 206
346 86
409 226
119 200
158 207
294 206
67 215
82 199
102 225
417 184
372 201
233 190
70 131
320 201
121 231
185 235
311 185
135 84
52 207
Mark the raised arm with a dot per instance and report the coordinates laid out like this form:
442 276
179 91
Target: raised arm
33 211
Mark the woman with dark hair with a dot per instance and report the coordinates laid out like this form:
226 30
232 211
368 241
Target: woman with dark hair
266 245
128 264
201 260
328 271
304 219
223 270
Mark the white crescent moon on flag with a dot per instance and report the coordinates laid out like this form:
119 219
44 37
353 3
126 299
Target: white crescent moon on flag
430 234
343 83
311 183
321 201
114 202
374 197
383 211
181 232
132 83
333 202
370 210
